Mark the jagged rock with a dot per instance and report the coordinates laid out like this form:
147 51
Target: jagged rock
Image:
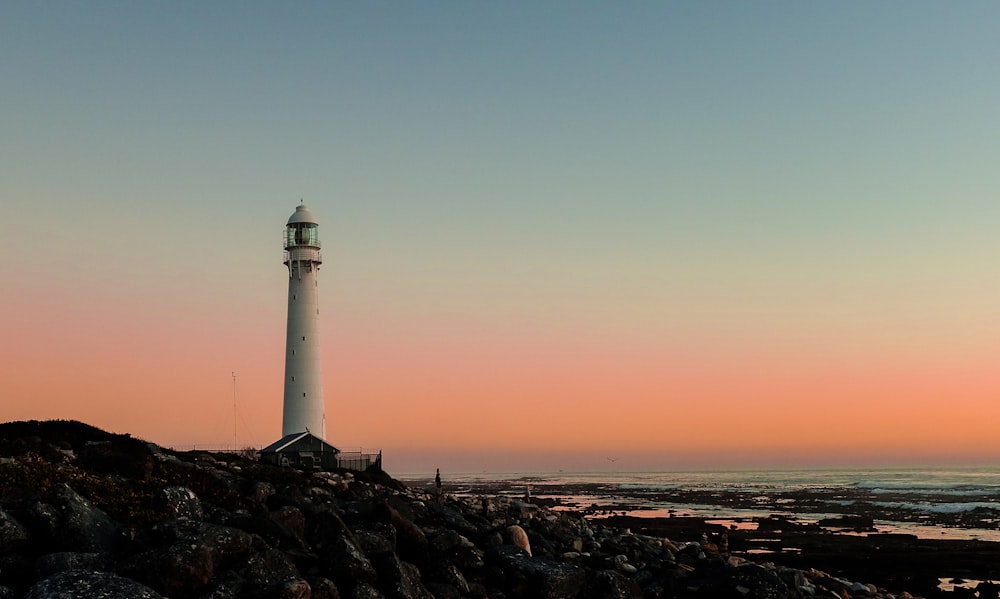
536 577
181 502
442 590
375 537
53 563
446 515
410 539
71 523
450 546
273 533
398 579
269 568
12 533
324 528
224 543
89 584
347 565
448 574
363 590
240 530
260 491
323 588
179 569
292 519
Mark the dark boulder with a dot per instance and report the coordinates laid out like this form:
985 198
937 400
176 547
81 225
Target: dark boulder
89 584
68 522
175 570
323 588
536 578
12 533
410 539
609 584
53 563
448 546
268 569
364 590
224 543
757 582
347 564
181 502
398 579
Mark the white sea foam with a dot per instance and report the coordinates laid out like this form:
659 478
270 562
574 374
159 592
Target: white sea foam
940 508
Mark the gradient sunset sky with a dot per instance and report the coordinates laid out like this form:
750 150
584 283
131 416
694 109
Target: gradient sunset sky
677 234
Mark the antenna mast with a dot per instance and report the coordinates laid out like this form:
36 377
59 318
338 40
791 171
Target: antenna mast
236 447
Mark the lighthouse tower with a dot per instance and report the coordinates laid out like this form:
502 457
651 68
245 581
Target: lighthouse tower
303 406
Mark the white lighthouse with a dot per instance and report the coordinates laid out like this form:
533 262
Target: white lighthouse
303 406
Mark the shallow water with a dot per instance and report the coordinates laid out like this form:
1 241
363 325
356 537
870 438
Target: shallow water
934 502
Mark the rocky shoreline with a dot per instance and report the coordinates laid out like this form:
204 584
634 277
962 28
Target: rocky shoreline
85 513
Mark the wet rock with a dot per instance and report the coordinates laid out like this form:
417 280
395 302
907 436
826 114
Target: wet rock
89 584
850 522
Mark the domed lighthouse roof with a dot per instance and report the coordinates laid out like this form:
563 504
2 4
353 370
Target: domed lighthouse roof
302 215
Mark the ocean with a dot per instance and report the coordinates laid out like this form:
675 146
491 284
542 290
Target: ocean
934 502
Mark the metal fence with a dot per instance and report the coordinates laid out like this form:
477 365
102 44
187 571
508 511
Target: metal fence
357 460
352 460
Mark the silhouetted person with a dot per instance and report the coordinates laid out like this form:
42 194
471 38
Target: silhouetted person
437 484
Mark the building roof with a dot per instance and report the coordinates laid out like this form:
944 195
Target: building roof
285 443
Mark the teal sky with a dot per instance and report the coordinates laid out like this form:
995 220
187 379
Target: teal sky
814 182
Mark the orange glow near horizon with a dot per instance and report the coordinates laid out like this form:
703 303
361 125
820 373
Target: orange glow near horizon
506 396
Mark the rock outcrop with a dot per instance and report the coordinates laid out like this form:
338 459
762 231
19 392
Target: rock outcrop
134 520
